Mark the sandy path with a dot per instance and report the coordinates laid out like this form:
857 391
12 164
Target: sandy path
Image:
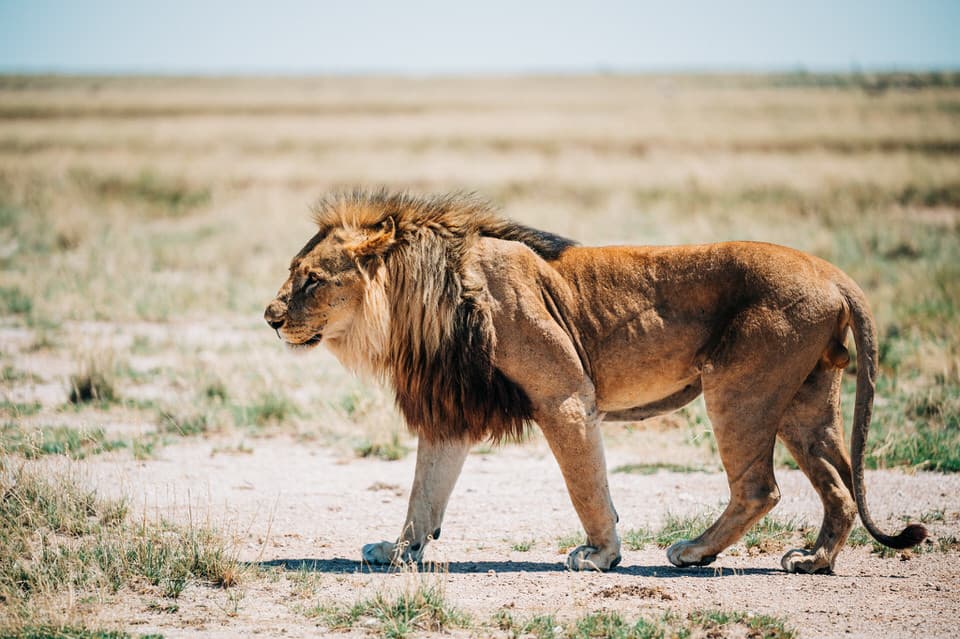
305 508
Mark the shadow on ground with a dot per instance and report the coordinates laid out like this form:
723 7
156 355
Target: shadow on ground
343 565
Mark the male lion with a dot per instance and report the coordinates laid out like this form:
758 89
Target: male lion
482 325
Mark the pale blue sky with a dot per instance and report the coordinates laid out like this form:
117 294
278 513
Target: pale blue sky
446 36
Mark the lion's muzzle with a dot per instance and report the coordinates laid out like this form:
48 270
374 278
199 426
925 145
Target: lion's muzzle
275 315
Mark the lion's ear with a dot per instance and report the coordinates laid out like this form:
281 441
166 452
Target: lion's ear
376 241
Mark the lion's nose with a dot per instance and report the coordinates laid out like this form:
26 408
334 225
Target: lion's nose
274 315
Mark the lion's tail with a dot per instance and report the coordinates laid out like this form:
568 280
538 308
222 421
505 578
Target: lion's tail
865 337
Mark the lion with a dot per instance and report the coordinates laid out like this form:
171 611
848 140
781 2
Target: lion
482 326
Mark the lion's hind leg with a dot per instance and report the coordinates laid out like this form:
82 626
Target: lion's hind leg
812 430
748 383
747 456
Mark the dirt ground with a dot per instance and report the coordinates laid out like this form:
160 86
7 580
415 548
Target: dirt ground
306 510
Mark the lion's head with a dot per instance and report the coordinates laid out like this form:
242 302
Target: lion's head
386 284
324 295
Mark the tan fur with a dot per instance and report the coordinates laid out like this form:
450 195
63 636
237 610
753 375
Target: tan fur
480 324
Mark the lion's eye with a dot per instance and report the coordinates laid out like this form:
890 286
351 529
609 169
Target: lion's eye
313 281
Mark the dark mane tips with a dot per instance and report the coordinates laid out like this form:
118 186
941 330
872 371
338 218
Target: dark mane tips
547 245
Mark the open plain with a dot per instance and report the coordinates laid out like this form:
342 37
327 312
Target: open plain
168 468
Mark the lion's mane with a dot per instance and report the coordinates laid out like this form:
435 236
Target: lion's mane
440 337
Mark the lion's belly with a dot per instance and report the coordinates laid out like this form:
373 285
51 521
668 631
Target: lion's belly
630 373
626 394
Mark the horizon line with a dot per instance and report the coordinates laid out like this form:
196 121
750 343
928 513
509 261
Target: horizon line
596 70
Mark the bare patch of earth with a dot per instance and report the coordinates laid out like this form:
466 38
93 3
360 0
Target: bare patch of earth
299 514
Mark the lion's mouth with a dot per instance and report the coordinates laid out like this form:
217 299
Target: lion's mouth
310 343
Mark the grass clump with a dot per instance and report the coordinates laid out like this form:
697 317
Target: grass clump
421 609
522 546
12 375
94 382
391 450
19 409
677 527
542 627
71 632
61 543
612 625
186 424
55 440
216 390
637 538
713 622
570 541
858 537
654 468
270 408
13 301
770 534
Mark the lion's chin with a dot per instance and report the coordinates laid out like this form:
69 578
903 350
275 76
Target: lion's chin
307 345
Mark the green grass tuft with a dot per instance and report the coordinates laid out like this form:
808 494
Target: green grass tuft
270 408
676 528
421 609
612 625
543 627
391 450
75 443
522 546
19 409
771 533
184 424
859 537
13 301
765 626
637 538
69 632
654 468
570 541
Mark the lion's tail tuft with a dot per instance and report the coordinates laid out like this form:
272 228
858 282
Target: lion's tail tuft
908 537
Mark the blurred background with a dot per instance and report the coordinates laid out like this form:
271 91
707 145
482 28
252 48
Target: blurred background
157 164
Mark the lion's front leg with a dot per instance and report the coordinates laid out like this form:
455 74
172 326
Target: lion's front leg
571 428
438 466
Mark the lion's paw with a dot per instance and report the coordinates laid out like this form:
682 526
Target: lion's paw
683 554
804 561
380 554
591 558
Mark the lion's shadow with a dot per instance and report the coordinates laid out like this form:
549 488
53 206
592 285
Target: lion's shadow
343 565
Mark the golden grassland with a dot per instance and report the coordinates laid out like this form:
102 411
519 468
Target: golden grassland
145 222
131 201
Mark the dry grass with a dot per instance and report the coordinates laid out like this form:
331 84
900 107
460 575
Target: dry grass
62 547
155 217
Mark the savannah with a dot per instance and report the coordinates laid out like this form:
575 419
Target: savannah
168 468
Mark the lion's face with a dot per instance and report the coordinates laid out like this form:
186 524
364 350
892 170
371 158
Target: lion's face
323 292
